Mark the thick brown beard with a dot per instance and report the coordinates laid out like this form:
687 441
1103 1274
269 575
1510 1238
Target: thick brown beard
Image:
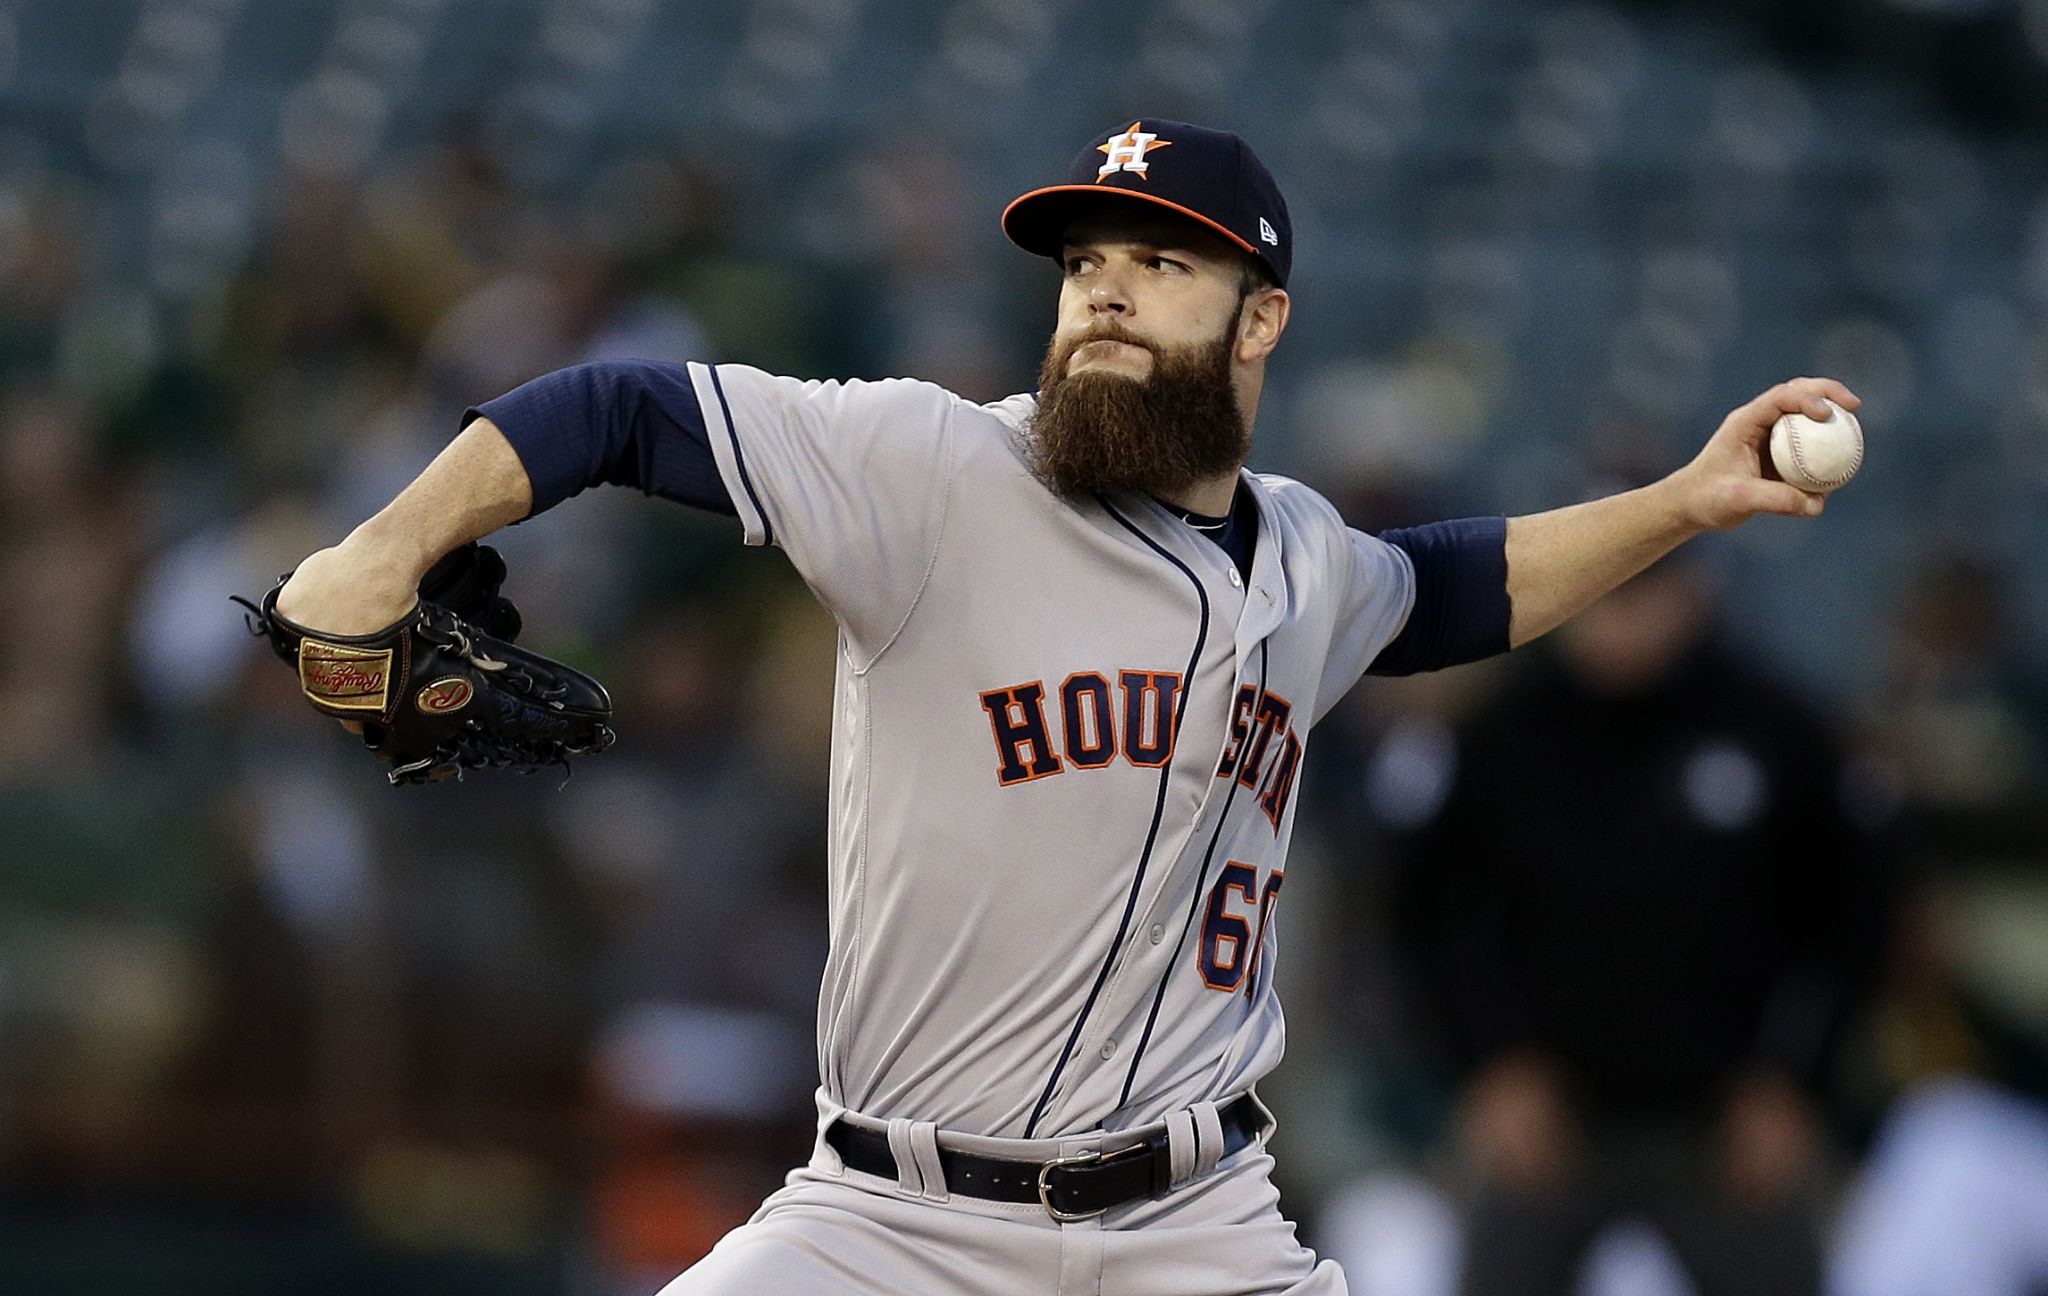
1099 432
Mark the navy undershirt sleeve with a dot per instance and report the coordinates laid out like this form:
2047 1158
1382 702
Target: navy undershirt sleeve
1461 596
623 423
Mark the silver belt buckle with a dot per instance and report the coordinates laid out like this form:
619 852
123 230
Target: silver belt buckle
1045 1188
1078 1159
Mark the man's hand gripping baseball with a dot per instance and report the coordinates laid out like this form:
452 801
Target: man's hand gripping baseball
1560 561
1731 479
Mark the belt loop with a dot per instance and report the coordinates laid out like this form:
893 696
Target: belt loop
909 1176
1208 1138
924 1149
1180 1146
824 1156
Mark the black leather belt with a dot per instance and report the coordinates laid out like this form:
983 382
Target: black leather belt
1071 1187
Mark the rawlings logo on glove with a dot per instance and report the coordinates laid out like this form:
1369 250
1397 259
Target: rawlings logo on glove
336 678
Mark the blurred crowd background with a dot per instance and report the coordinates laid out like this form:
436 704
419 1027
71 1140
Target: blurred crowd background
1734 897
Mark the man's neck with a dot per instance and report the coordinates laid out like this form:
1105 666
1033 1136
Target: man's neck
1210 498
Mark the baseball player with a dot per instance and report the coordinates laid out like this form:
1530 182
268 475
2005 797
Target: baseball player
1081 655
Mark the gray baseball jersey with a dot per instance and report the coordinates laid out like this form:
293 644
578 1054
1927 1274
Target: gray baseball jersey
1066 748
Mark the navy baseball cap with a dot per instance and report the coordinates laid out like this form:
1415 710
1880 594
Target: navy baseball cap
1209 176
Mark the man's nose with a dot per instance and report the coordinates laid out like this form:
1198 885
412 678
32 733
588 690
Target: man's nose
1107 294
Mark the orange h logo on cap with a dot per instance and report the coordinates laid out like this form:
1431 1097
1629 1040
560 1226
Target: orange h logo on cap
1127 152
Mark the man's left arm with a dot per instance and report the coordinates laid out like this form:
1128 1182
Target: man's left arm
1561 561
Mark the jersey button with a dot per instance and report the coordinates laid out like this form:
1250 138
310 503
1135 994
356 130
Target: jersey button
1235 579
1158 932
1108 1049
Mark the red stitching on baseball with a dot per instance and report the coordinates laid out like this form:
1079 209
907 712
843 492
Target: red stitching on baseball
1799 455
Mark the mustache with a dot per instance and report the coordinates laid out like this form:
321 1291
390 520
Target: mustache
1108 331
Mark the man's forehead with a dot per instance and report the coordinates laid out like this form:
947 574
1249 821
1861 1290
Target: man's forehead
1129 223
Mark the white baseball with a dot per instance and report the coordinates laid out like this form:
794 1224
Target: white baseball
1815 455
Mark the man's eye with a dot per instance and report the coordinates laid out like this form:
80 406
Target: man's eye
1166 263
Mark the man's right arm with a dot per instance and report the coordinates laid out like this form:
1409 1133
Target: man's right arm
476 485
849 479
633 423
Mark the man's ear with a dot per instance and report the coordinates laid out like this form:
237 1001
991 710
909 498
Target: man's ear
1261 322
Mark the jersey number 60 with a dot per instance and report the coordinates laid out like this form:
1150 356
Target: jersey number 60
1234 930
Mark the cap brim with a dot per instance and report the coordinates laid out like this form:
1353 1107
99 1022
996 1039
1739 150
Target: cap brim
1037 221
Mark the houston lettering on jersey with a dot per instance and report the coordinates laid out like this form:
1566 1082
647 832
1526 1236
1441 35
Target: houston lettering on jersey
1263 751
1095 723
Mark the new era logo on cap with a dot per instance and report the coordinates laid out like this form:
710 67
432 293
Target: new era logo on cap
1209 176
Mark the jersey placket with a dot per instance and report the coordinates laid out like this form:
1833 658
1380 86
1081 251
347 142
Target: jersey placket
1165 936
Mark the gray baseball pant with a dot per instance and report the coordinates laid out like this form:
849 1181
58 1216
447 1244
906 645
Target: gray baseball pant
831 1231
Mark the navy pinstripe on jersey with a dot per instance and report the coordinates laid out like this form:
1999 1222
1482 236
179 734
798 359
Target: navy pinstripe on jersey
1151 834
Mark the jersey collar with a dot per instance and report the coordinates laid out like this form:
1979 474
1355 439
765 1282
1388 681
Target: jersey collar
1266 593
